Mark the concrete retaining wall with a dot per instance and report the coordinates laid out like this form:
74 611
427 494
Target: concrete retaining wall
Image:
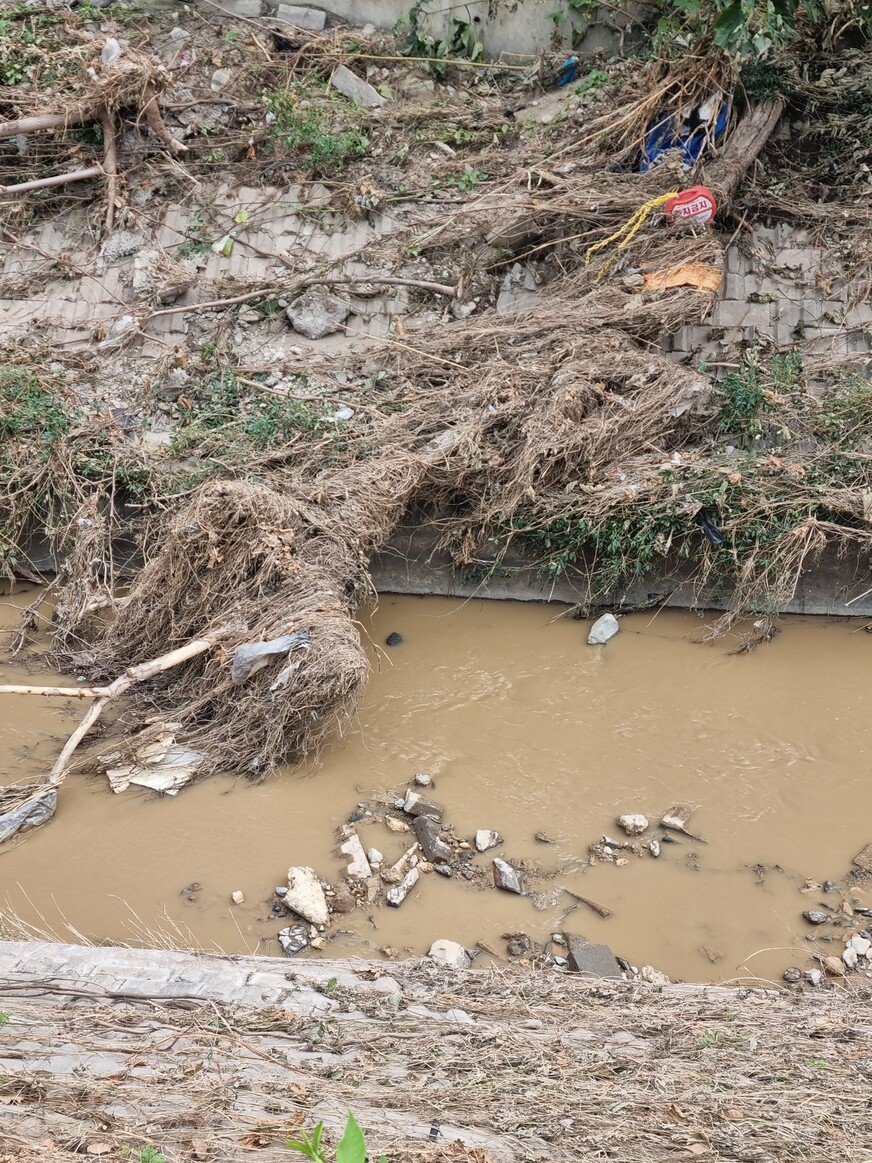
513 27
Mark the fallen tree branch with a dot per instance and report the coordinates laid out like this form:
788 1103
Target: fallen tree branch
110 165
725 175
46 121
54 180
151 112
18 816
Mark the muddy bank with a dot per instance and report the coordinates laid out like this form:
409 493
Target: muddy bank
211 1058
523 729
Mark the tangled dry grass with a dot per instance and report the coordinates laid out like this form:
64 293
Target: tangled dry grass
506 1065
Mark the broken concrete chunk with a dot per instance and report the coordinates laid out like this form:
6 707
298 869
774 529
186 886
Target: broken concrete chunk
396 895
238 897
355 88
676 817
221 78
306 896
417 805
311 18
863 860
653 976
294 939
485 839
358 866
508 878
433 846
449 953
318 312
602 630
594 960
634 824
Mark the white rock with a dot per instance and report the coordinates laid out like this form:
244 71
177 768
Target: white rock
375 857
653 976
449 953
306 896
318 312
358 865
850 957
237 897
813 976
485 839
602 630
221 78
423 780
311 18
860 945
653 847
179 34
634 824
347 83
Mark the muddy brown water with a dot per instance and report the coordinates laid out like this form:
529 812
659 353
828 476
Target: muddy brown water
524 728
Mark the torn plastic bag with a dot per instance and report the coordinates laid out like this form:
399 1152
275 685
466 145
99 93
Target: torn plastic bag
30 814
251 657
690 132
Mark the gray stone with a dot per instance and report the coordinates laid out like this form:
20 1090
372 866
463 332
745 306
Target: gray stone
311 18
653 976
813 976
653 847
449 953
306 896
244 7
792 975
423 780
602 630
816 918
179 34
863 860
443 869
221 78
417 805
375 857
433 846
318 312
594 960
396 895
238 897
281 890
633 825
347 83
294 939
358 866
860 945
122 244
676 817
850 958
508 878
485 839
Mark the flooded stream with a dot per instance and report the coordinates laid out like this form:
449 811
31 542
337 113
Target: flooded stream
524 729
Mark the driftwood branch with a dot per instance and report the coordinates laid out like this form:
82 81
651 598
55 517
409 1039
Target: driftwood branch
46 121
54 180
110 164
725 175
151 112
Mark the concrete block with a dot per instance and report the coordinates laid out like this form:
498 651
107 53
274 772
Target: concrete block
737 263
800 258
733 314
347 83
244 7
311 18
735 287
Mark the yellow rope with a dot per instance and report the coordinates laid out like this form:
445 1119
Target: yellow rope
629 230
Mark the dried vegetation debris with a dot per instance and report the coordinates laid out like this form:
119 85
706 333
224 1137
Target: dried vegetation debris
570 1069
255 487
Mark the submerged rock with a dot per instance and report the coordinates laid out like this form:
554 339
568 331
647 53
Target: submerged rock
306 896
396 895
485 839
816 918
863 859
792 975
602 630
676 817
508 878
429 836
394 639
358 865
594 960
418 805
423 780
294 939
449 953
634 824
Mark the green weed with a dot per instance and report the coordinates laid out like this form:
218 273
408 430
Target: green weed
595 79
4 1018
708 1039
312 130
350 1149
